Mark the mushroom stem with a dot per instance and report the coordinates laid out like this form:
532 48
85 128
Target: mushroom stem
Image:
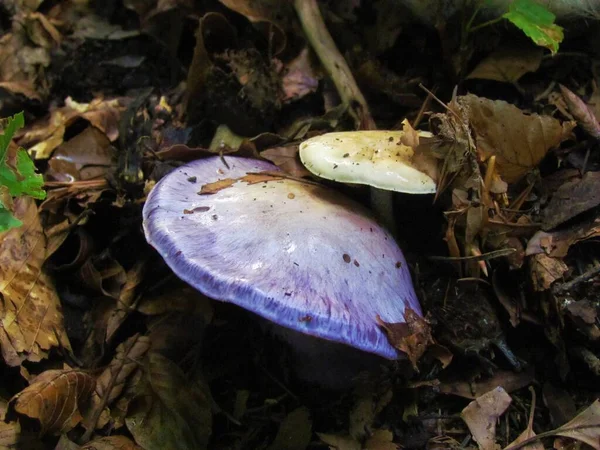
382 203
333 62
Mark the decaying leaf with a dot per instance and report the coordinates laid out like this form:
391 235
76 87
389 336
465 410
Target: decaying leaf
337 442
111 382
585 427
571 199
528 433
55 398
163 414
213 188
412 337
287 159
583 113
482 414
509 381
519 141
545 270
508 65
32 321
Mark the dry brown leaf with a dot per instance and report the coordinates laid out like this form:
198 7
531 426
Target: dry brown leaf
255 178
482 414
163 415
545 270
32 320
412 337
111 382
557 243
55 398
571 199
294 432
582 113
520 141
43 137
585 427
286 158
508 65
111 443
508 380
213 188
127 296
86 156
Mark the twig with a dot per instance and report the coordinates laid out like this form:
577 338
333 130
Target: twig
585 276
333 62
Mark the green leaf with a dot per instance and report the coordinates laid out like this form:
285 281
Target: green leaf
22 179
7 220
536 22
12 125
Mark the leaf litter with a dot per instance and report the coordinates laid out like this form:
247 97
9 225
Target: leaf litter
104 348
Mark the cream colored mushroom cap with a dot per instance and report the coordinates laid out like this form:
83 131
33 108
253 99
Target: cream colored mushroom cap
376 158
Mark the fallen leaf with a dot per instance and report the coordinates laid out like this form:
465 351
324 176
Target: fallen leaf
571 199
163 415
519 140
32 320
545 270
294 432
508 65
585 427
528 433
86 156
557 243
412 337
508 380
583 113
287 159
213 188
55 398
111 382
482 414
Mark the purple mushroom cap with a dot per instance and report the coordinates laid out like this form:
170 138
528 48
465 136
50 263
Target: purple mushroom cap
296 253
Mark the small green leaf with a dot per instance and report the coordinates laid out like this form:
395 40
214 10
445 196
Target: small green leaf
536 22
7 220
22 179
12 125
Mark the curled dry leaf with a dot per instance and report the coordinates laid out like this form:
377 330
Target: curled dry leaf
32 320
412 337
55 398
300 78
519 140
482 414
583 114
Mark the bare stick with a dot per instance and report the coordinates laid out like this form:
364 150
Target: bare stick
333 62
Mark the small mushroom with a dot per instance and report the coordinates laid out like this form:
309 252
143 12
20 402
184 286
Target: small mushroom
294 252
379 159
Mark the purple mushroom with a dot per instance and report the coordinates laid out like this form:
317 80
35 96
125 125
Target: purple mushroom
296 253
